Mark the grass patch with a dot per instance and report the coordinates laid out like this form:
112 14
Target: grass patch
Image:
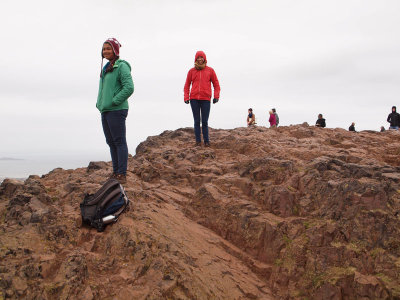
54 288
311 223
376 252
306 224
384 278
333 274
288 260
353 246
278 262
287 240
295 210
390 283
315 279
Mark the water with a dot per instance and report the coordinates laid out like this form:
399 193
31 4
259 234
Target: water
25 165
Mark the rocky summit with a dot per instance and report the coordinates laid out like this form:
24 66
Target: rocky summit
295 212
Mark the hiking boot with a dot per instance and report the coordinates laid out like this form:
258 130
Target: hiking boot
121 178
112 176
198 144
207 144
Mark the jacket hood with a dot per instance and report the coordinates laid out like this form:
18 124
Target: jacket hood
119 61
202 54
394 108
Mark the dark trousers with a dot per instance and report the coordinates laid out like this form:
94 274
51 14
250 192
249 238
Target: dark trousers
115 132
200 108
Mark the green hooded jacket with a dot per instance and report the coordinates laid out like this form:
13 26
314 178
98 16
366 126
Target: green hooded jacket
115 88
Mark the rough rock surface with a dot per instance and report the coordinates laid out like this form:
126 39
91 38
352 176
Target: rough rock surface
289 213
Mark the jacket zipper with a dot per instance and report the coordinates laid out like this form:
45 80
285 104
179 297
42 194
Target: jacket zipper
102 86
200 83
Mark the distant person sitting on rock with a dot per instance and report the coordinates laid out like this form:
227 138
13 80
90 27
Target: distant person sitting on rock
251 118
352 128
199 95
276 116
394 119
382 129
272 119
320 122
116 86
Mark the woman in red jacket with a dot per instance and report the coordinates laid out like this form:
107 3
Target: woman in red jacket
199 96
272 119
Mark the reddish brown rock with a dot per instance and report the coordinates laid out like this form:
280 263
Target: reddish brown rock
288 213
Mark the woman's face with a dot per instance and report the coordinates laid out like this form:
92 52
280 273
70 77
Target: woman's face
108 52
200 60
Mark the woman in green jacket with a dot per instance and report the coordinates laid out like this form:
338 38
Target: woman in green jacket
116 86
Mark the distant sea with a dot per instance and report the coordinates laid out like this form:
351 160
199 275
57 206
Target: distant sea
22 167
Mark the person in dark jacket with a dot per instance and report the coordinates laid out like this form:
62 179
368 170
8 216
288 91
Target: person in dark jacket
394 119
116 86
199 95
320 122
382 129
352 128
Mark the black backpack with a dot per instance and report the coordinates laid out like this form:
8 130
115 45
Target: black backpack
105 206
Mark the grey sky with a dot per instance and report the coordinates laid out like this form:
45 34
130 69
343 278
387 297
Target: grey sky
339 58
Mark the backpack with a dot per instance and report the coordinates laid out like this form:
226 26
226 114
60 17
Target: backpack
105 206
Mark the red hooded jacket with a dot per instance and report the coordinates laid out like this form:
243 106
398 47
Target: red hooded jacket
201 82
272 119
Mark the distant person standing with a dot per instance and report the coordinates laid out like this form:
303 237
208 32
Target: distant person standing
276 117
352 128
272 119
199 95
394 119
116 86
320 122
382 129
251 118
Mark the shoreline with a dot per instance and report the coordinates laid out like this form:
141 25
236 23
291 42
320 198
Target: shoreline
22 179
40 165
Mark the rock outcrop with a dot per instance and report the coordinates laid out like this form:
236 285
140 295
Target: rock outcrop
290 213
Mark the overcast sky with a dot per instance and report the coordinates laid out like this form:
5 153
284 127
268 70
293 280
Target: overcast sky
338 58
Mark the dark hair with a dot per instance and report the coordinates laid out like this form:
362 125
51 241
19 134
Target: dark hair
274 110
110 66
250 109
